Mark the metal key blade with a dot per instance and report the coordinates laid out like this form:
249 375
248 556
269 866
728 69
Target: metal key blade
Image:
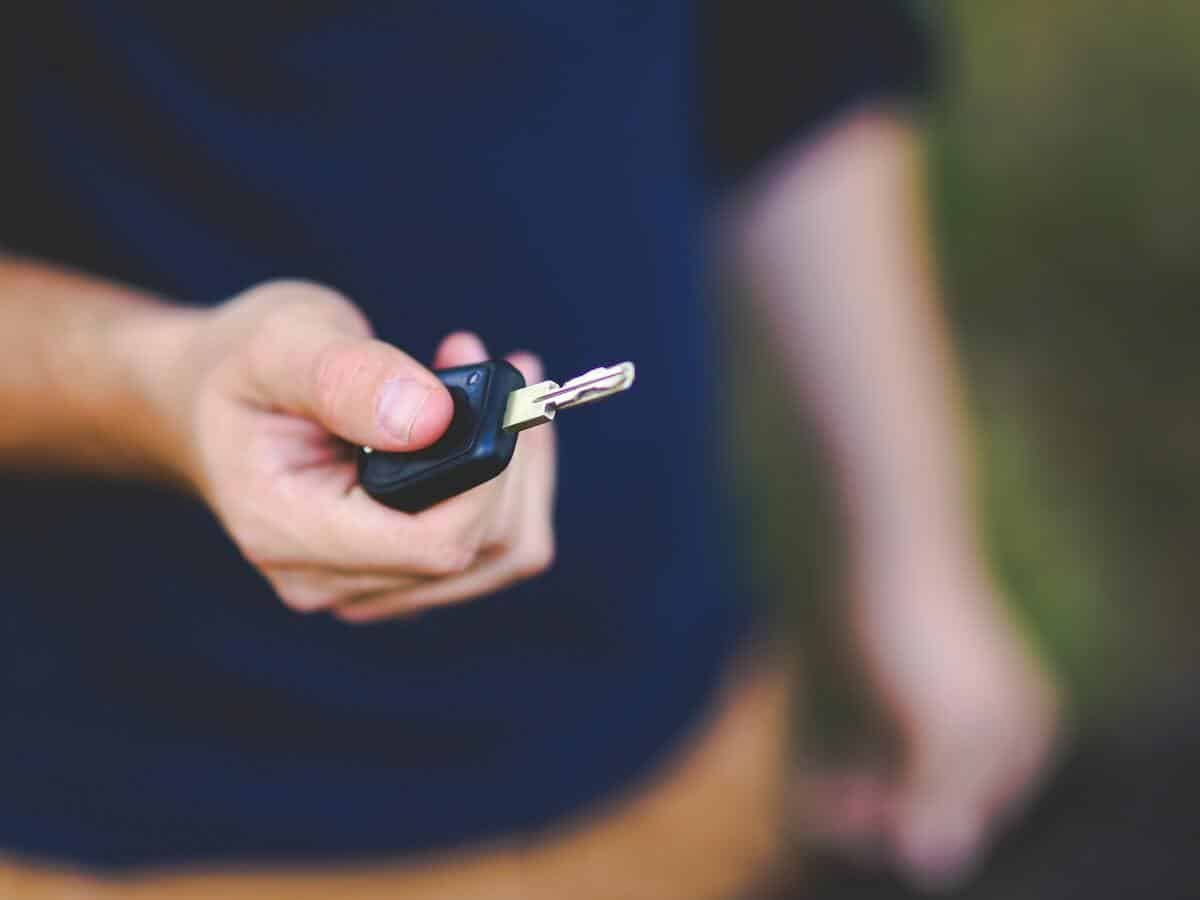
590 386
537 403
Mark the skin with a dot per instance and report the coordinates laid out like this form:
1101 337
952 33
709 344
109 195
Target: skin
251 406
833 242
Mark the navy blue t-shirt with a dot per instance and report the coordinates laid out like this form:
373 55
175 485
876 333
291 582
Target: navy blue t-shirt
534 171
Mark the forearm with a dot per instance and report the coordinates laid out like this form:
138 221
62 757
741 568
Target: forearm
81 363
834 242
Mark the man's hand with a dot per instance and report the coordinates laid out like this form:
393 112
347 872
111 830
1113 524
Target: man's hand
975 713
267 400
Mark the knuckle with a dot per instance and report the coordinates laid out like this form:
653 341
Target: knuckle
327 305
365 611
258 553
356 613
535 557
301 593
299 295
306 599
471 542
349 615
254 530
443 555
415 607
280 303
450 558
424 605
453 546
258 557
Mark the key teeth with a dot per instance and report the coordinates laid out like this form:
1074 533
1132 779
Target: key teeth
598 372
624 371
593 385
537 404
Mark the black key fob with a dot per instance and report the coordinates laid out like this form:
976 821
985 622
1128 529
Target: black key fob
474 449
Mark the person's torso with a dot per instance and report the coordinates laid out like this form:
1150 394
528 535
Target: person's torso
524 170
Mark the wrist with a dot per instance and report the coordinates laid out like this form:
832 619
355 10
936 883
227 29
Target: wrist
152 344
937 560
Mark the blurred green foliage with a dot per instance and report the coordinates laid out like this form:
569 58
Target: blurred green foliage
1065 163
1065 166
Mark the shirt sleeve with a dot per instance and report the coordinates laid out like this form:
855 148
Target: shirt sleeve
773 70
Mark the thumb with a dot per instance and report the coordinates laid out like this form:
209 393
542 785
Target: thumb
363 390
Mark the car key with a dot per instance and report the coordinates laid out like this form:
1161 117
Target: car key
492 404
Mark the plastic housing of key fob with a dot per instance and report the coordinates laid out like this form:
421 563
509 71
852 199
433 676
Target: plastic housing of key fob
474 449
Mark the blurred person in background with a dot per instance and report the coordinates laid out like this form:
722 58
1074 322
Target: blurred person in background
185 550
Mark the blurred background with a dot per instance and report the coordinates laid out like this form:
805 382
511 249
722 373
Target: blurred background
1065 168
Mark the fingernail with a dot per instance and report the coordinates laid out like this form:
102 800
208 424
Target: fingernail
400 402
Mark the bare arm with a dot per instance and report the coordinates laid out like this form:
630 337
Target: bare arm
79 358
834 242
835 245
250 405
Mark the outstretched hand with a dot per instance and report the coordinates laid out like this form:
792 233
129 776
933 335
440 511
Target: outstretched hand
274 391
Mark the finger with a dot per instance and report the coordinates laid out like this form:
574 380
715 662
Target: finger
344 583
535 449
528 551
532 472
492 573
352 532
370 609
360 534
529 365
335 525
537 441
462 348
363 390
310 590
343 614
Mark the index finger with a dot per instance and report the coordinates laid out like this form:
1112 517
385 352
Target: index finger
352 532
